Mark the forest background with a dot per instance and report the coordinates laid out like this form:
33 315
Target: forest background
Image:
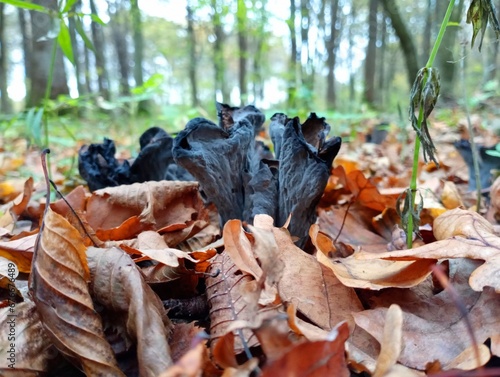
122 66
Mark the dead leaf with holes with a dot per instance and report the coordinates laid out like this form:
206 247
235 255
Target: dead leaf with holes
59 288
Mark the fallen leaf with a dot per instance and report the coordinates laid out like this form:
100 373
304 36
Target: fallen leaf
390 347
118 284
59 288
24 343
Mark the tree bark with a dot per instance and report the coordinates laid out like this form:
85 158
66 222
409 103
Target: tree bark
192 56
371 55
405 39
119 26
41 54
381 62
98 39
429 26
260 46
5 105
331 46
350 58
243 50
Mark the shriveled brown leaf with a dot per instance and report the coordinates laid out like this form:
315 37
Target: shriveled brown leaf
19 251
157 204
313 358
9 219
433 328
24 343
327 301
119 286
450 196
460 234
59 288
190 364
390 347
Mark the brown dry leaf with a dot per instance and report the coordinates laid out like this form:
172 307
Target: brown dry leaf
355 229
359 272
450 196
77 199
433 328
460 234
157 204
327 302
231 296
363 190
59 287
32 350
390 347
118 284
19 251
313 358
190 365
9 219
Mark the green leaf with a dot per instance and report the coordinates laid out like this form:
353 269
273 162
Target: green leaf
79 29
68 6
96 18
64 40
34 124
27 5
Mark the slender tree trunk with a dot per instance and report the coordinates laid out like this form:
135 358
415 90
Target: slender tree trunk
260 47
446 57
332 55
86 71
405 39
5 105
243 50
381 61
98 39
119 26
41 54
138 51
292 78
192 56
371 55
307 71
350 57
24 25
219 65
429 26
79 67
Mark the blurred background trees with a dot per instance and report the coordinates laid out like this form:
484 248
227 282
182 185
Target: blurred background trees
323 55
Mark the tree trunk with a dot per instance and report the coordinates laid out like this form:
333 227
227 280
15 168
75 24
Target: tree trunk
138 51
25 32
192 56
79 66
41 54
219 64
307 70
381 62
243 50
350 58
98 39
5 105
405 39
292 75
260 47
429 26
371 55
446 56
331 45
119 26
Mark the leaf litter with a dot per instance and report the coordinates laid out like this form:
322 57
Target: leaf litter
294 281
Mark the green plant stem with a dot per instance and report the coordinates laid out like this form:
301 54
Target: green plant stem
46 97
416 154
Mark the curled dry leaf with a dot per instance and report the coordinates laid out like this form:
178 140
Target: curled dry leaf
24 343
120 287
433 328
460 234
390 347
313 358
59 287
190 365
19 251
146 203
8 220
